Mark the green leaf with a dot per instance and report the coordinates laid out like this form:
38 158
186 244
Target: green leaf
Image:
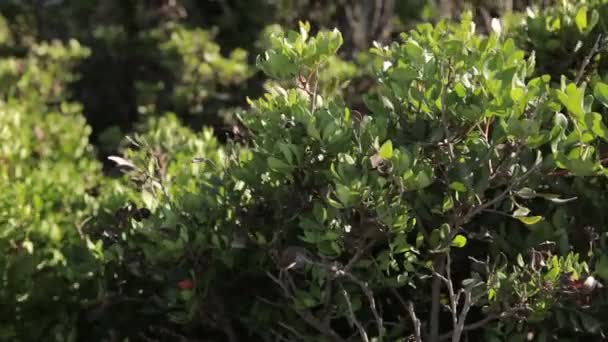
277 164
581 19
458 186
518 94
149 200
521 211
344 194
414 52
600 92
580 167
403 75
529 220
386 150
526 193
491 295
573 99
601 267
448 203
423 179
285 149
276 65
595 123
520 260
553 273
556 199
459 241
419 240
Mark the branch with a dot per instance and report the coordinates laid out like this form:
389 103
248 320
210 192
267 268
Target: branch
468 302
306 316
278 336
480 323
444 111
292 330
409 307
360 251
581 71
415 321
313 103
372 304
498 198
458 318
353 319
487 19
435 294
224 321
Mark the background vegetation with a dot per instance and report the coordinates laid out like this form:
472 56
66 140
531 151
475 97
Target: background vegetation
303 170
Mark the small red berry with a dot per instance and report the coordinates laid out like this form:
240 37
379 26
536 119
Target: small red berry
186 284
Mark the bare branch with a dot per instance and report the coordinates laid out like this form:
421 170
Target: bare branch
581 71
481 323
415 321
279 336
353 319
515 182
292 330
306 316
372 303
468 302
444 110
360 251
435 297
223 319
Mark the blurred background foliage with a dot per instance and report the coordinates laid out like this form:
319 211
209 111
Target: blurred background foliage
195 57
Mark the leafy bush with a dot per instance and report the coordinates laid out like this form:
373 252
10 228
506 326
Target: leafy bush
456 182
197 68
48 173
43 74
155 224
565 38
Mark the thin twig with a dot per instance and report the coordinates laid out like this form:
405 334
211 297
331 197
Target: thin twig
279 336
353 319
479 324
497 212
444 112
305 315
223 320
313 103
292 330
326 315
581 71
435 297
415 321
360 251
372 304
468 302
498 198
458 318
487 19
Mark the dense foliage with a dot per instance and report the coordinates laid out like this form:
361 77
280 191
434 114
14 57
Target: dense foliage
47 175
447 183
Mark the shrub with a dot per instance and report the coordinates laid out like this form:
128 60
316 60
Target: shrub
196 69
456 182
48 173
154 225
565 38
